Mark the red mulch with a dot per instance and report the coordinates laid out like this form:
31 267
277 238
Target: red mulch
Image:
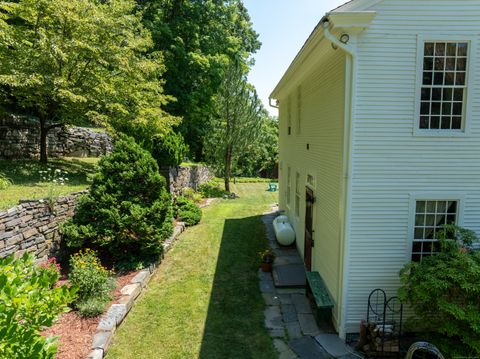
76 333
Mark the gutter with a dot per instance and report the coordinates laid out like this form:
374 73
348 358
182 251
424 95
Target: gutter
350 90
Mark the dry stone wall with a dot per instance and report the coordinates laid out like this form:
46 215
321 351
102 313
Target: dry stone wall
32 226
187 177
19 138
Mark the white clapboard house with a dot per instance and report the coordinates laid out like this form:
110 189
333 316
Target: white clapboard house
380 141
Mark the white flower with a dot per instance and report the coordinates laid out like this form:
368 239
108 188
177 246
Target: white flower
54 181
58 170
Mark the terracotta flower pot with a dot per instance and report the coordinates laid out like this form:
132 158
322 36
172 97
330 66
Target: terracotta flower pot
266 267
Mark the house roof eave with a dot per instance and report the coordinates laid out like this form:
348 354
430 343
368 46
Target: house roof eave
353 21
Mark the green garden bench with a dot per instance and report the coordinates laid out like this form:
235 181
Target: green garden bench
317 289
272 187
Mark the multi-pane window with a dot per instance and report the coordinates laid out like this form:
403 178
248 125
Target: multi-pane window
299 110
289 184
430 216
297 195
289 117
444 81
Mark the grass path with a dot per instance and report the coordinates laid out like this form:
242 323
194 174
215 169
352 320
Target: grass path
204 300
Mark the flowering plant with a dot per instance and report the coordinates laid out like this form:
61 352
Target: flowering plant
93 281
267 256
52 265
54 178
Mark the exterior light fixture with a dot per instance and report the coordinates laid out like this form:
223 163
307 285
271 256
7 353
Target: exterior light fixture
345 38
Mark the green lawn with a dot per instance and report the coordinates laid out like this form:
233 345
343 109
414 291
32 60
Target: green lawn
27 182
204 300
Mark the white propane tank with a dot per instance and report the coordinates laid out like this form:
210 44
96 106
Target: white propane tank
283 231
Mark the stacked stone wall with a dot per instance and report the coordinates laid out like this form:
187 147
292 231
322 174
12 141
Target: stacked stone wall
32 226
187 177
20 136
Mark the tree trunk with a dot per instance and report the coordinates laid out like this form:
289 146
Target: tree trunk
43 141
228 167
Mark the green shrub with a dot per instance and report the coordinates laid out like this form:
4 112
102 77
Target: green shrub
128 211
212 189
91 307
187 211
89 276
191 194
169 149
444 292
29 302
4 182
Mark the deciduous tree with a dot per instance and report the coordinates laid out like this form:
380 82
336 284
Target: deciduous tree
77 61
199 39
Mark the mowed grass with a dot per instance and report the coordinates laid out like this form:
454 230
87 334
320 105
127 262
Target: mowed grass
27 182
204 301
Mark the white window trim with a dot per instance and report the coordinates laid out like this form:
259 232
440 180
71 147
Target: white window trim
288 191
314 175
298 192
431 196
471 67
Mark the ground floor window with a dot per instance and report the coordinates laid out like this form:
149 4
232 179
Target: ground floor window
430 216
297 195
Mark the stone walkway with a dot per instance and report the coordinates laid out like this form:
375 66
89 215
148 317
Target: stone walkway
288 314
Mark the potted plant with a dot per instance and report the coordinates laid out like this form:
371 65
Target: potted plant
267 257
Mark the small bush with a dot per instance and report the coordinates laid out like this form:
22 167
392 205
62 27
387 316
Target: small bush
5 182
29 302
191 194
169 149
444 292
212 189
127 212
91 307
93 282
187 211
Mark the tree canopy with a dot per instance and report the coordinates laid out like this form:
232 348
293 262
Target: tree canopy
199 39
79 61
237 125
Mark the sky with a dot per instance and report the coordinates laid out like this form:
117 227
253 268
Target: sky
283 26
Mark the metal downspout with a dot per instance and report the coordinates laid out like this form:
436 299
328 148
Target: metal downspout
349 105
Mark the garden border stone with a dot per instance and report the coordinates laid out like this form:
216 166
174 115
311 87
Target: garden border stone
115 315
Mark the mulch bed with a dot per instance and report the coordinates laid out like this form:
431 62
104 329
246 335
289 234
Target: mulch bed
76 333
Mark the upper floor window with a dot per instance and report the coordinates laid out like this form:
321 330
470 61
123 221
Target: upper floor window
289 116
444 85
430 216
299 110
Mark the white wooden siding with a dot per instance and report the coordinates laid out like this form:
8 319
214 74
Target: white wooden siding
389 162
322 122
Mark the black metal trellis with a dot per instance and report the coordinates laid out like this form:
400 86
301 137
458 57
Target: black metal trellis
384 324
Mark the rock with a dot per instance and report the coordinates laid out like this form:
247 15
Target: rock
117 312
132 290
95 354
142 277
101 340
107 324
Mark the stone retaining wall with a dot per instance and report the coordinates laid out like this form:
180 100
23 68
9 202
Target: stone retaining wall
187 177
20 136
32 226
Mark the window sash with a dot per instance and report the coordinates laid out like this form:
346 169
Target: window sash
430 215
444 85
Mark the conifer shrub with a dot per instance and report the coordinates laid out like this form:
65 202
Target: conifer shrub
127 212
187 211
169 149
444 292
